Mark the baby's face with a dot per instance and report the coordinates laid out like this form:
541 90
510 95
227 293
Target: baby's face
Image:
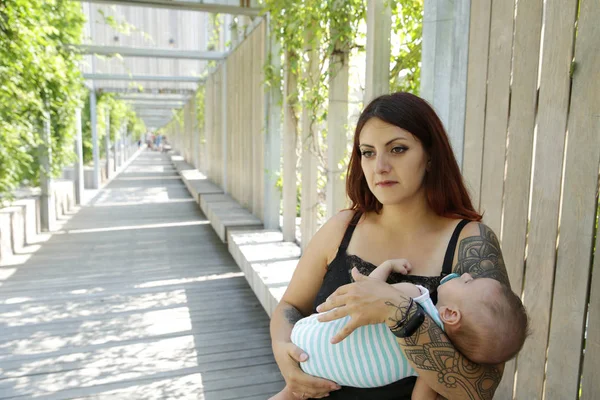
463 289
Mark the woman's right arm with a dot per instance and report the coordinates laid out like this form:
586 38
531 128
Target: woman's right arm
297 302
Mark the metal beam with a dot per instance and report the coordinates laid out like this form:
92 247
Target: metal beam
157 91
149 52
184 5
154 98
155 78
157 105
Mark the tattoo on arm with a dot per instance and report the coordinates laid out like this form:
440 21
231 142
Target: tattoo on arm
292 315
454 371
481 256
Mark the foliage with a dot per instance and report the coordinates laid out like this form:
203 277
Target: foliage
38 74
407 30
120 112
334 27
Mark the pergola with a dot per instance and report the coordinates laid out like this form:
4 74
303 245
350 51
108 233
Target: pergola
158 65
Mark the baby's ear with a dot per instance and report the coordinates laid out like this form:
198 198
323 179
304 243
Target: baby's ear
450 315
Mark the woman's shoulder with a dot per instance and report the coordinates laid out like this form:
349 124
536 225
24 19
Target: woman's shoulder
477 230
479 253
339 222
332 232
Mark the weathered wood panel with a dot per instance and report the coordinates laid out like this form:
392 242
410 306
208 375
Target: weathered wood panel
545 197
496 113
578 215
526 51
479 37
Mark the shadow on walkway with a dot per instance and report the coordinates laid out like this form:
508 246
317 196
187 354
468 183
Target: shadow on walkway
135 298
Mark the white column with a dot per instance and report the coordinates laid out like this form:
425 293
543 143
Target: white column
196 133
78 167
47 209
107 144
95 144
290 126
379 28
337 120
122 141
309 201
224 124
272 166
444 64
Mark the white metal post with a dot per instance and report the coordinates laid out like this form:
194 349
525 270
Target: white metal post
272 199
224 124
47 209
95 144
290 157
78 167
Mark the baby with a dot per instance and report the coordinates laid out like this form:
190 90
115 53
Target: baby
484 320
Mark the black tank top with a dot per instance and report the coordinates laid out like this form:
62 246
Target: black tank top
339 274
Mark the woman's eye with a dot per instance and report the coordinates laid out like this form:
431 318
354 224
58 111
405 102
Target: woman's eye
367 153
399 149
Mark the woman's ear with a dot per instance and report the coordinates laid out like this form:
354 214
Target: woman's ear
450 315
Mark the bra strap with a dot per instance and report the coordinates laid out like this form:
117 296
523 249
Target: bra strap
349 231
449 257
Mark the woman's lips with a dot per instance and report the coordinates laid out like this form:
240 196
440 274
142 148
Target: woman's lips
386 183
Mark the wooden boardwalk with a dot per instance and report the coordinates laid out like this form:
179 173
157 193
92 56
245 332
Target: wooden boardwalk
136 298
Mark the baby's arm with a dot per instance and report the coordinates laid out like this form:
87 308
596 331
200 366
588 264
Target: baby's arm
382 272
422 391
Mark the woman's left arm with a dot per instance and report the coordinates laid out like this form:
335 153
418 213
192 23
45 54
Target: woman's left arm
428 350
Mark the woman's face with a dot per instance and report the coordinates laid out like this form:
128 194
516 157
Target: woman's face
393 162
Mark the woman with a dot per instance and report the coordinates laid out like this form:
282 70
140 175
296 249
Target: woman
408 201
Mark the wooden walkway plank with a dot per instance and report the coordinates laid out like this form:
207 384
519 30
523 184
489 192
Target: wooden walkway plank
135 298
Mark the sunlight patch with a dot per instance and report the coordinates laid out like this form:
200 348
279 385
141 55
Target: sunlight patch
167 282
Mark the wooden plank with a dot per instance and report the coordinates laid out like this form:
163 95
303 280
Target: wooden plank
521 124
479 36
552 123
578 215
496 113
590 385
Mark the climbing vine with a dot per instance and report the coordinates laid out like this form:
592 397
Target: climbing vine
407 37
38 75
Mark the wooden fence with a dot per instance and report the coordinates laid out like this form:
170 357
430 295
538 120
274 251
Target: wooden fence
531 158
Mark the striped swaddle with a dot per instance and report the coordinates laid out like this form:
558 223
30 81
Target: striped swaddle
369 357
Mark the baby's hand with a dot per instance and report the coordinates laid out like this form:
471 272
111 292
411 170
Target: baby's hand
400 265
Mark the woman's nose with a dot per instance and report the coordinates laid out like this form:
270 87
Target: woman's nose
382 165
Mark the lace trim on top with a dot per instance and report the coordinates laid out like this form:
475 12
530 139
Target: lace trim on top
431 283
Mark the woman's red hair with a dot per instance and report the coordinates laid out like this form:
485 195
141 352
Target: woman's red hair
444 186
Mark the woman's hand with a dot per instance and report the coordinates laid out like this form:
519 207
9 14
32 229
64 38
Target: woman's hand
302 385
367 301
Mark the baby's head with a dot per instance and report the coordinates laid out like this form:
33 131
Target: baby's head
484 319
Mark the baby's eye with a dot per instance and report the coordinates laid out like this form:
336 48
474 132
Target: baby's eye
399 149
